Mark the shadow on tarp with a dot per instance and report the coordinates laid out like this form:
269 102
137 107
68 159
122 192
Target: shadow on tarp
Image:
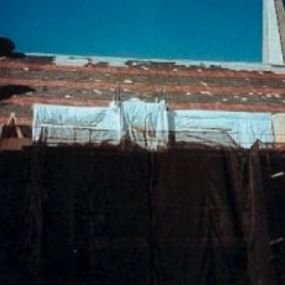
107 215
273 164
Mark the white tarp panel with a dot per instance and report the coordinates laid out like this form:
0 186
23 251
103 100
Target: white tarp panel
76 124
244 128
149 125
279 128
146 124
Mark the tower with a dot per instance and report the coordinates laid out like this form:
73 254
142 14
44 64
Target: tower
273 42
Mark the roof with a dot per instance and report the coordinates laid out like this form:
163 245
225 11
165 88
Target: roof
86 82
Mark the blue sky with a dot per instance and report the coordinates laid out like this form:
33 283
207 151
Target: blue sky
200 30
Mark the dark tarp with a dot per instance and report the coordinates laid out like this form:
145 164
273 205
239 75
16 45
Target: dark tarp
185 215
273 165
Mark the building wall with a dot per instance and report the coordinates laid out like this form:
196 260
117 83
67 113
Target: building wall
280 9
272 47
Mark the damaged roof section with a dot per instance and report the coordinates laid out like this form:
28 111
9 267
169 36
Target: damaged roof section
34 79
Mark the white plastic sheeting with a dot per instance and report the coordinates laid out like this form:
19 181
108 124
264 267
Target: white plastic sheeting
143 123
243 128
148 125
279 128
61 124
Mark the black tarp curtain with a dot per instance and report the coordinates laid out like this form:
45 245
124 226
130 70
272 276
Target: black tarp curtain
185 215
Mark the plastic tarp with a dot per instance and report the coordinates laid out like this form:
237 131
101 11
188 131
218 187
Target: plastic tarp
125 217
146 124
279 128
149 125
243 128
64 124
143 123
